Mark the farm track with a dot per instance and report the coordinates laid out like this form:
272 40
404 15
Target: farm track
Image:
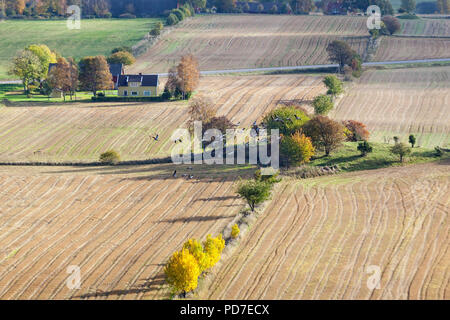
81 132
401 102
119 225
316 239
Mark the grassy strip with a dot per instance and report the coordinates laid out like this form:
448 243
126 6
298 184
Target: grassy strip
349 159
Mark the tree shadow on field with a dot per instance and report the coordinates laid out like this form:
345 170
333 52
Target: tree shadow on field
148 285
196 219
149 172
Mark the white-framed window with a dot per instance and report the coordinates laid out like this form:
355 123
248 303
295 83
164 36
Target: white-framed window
134 93
125 92
147 93
134 84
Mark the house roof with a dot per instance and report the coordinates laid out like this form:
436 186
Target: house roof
146 80
116 69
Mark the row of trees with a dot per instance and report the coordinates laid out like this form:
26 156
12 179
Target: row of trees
177 15
195 258
90 8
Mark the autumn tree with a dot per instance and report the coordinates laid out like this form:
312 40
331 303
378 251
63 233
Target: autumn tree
302 6
213 248
340 52
196 249
287 119
182 271
221 123
188 74
297 148
254 192
64 77
26 66
392 24
235 231
326 134
401 150
443 6
356 130
122 57
322 104
225 5
95 74
45 56
202 109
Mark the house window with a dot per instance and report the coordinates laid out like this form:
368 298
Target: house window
134 93
125 92
134 84
147 93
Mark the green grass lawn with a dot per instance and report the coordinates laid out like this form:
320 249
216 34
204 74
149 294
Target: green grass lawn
349 159
96 36
14 93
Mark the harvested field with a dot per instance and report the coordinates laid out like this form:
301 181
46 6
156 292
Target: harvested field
246 41
80 132
401 102
426 27
317 238
119 225
398 48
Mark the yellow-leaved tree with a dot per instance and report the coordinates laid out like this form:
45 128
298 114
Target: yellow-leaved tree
182 271
213 248
235 231
196 249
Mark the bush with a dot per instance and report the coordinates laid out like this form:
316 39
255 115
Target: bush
401 150
333 84
364 148
213 248
438 152
110 157
123 48
235 231
254 192
172 19
412 140
155 32
196 249
322 104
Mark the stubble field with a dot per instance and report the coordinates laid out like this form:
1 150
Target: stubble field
81 132
401 102
318 238
119 225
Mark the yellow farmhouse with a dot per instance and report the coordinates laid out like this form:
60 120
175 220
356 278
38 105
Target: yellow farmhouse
141 85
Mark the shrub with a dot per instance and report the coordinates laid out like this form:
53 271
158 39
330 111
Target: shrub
364 148
254 192
272 179
333 84
322 104
172 19
110 157
412 140
182 271
123 48
287 119
297 148
438 152
155 32
235 231
401 150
